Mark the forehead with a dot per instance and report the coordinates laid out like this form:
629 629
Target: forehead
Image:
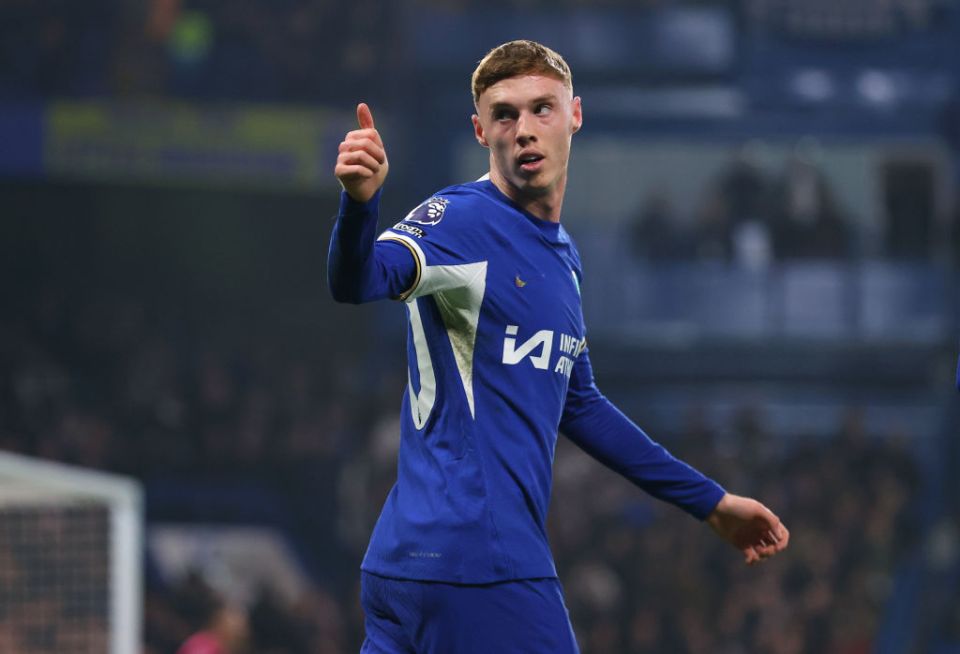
524 88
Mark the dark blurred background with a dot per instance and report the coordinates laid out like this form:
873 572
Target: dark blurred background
765 194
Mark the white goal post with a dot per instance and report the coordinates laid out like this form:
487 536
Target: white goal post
70 559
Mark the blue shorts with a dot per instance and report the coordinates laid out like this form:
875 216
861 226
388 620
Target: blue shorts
526 616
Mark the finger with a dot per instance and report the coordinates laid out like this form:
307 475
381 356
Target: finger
778 536
771 547
348 172
364 134
359 157
376 151
784 538
364 116
766 551
773 523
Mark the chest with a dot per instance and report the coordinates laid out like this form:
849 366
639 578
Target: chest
532 309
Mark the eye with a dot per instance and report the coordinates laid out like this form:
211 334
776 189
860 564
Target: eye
504 113
542 109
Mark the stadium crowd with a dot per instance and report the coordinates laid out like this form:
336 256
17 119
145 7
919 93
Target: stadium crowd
643 579
749 217
113 382
204 49
754 215
310 50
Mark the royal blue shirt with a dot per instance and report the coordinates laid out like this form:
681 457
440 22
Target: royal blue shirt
497 364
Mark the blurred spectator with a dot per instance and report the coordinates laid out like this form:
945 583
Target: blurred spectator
744 187
808 223
654 233
224 632
712 232
745 191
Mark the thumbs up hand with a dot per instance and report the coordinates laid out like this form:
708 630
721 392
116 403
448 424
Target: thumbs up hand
362 162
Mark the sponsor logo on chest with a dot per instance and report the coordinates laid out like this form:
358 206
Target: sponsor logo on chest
539 349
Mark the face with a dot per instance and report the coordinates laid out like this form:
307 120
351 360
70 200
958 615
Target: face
527 123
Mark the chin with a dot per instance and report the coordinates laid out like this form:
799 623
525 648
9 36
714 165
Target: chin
535 186
526 180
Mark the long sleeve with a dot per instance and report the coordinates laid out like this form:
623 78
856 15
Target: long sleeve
592 422
360 268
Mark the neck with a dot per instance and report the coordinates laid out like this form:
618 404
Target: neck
544 205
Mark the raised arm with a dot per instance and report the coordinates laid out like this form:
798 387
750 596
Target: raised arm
360 269
602 431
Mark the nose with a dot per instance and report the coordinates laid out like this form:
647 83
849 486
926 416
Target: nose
525 132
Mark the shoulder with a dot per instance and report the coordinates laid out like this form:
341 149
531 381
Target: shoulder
454 225
460 210
457 200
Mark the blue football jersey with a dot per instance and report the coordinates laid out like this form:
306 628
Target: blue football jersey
497 363
495 326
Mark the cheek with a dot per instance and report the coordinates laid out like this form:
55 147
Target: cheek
561 142
500 145
501 135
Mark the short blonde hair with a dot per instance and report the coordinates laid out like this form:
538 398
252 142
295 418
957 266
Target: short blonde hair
515 58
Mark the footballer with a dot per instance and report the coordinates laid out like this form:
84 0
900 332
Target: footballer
498 363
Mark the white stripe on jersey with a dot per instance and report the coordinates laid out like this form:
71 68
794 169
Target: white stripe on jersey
458 291
421 404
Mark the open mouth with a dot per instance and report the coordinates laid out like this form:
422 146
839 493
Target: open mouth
530 161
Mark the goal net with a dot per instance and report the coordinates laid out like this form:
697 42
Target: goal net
70 559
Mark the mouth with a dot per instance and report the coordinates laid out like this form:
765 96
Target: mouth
530 161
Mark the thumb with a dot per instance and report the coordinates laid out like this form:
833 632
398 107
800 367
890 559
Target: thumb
364 116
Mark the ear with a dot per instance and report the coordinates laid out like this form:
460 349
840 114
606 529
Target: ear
478 131
577 115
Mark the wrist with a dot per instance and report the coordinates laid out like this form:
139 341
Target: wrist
713 518
350 206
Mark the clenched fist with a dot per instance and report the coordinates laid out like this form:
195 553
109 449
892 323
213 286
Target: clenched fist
362 163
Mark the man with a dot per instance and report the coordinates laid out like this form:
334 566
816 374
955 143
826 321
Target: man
459 560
